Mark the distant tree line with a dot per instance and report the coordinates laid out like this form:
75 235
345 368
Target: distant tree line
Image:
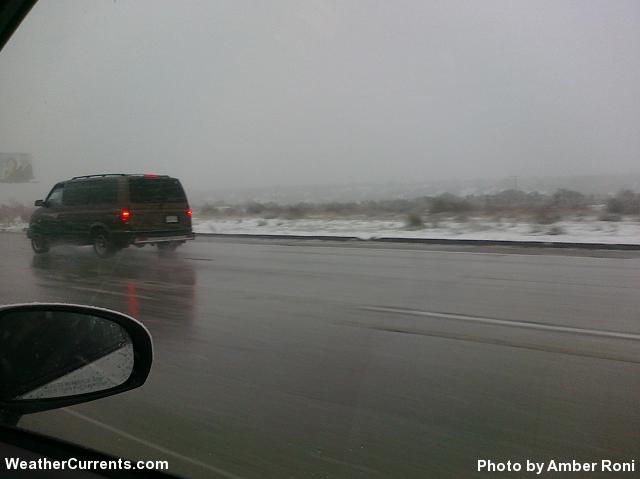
507 202
535 206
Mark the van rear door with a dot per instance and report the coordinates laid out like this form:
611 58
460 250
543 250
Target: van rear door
158 204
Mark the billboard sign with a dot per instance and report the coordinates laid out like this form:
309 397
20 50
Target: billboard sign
15 168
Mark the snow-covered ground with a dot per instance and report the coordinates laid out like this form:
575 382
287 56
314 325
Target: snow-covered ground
13 226
585 230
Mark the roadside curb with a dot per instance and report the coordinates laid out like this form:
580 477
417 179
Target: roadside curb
438 241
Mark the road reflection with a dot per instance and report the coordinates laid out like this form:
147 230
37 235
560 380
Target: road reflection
136 282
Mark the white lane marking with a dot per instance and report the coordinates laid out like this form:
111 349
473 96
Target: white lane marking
151 445
506 322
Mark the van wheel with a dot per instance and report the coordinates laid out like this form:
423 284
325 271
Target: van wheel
39 244
103 247
168 247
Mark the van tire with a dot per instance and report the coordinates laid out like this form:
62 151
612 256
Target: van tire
39 244
102 245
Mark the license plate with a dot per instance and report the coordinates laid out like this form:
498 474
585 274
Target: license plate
171 219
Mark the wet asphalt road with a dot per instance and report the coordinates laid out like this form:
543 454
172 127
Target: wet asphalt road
304 359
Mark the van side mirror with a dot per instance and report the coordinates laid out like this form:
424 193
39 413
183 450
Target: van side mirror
39 203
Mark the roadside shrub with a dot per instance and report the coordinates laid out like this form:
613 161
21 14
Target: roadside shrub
338 208
609 217
556 230
546 216
414 221
625 202
568 200
448 203
298 211
512 201
208 210
255 208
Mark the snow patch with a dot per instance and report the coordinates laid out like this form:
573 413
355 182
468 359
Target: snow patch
14 226
571 231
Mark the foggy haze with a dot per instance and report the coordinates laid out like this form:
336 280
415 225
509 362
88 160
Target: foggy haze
256 94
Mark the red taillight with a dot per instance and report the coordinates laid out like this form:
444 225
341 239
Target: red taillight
125 215
189 213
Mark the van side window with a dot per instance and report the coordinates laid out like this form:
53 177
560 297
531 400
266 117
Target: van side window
104 191
76 193
55 197
91 192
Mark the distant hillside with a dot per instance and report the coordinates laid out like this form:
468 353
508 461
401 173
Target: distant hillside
598 185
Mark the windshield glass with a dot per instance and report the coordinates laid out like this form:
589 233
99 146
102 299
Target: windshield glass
55 197
370 239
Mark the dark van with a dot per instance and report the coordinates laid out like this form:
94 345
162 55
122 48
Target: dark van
111 212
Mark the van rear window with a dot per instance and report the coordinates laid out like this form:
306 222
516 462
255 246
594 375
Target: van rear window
155 190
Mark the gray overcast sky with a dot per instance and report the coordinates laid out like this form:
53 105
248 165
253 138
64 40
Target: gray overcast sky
235 93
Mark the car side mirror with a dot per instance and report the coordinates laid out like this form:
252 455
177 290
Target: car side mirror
56 355
39 203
